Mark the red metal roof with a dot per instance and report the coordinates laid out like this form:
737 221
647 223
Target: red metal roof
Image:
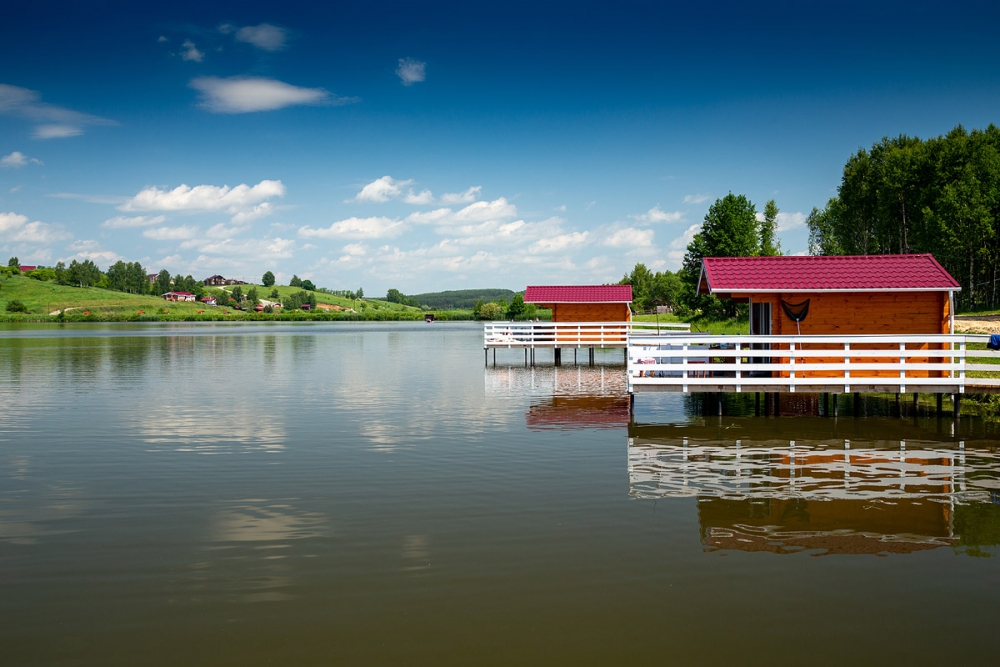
845 273
578 294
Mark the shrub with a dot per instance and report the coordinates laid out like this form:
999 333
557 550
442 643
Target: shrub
16 306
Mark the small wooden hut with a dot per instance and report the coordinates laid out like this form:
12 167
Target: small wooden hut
838 295
854 294
583 303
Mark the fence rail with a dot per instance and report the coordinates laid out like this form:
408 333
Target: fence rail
687 362
573 334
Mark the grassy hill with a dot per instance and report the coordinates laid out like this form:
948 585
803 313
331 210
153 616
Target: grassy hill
284 291
462 299
43 298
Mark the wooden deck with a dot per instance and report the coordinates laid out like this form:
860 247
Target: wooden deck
532 335
930 363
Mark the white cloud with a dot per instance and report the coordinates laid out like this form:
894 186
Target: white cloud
190 52
89 249
171 233
630 237
786 221
470 195
264 36
247 94
15 228
51 121
696 198
411 71
656 215
381 190
122 222
481 211
256 213
242 201
16 160
560 209
559 243
57 131
355 249
419 199
357 228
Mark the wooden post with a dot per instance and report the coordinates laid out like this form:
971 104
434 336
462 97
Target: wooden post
631 404
899 406
939 397
958 405
558 356
836 404
592 356
916 397
777 404
718 403
857 404
756 404
826 404
574 355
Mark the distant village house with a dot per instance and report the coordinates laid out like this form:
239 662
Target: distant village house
179 296
217 280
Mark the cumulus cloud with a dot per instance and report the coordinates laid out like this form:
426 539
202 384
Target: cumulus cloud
381 190
357 228
656 215
123 222
786 221
696 198
559 243
248 94
15 228
265 36
630 237
190 52
92 250
470 195
411 71
16 160
243 202
171 233
51 122
386 188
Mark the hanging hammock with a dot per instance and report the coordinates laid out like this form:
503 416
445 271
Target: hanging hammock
796 312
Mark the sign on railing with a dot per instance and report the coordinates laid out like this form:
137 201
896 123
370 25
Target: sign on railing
573 334
686 362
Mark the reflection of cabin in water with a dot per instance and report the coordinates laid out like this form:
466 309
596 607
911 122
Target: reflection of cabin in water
570 412
783 496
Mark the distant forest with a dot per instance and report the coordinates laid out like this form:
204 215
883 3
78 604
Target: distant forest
462 298
908 195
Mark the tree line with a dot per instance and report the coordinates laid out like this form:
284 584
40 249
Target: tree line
906 195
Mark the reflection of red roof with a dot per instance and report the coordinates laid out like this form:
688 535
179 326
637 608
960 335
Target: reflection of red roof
849 273
578 294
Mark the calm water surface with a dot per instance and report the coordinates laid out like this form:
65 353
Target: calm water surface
371 494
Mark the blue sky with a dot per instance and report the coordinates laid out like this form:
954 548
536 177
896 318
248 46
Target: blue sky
428 146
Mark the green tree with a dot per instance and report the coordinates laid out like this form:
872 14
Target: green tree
361 293
769 243
516 307
162 283
395 296
14 263
274 294
84 274
268 279
16 306
308 285
492 311
295 281
237 294
477 310
252 297
730 229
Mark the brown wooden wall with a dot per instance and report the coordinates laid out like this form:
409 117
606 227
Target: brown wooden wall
590 312
860 313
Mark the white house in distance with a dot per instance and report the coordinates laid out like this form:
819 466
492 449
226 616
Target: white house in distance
179 296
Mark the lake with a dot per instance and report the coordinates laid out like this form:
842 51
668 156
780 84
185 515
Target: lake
372 494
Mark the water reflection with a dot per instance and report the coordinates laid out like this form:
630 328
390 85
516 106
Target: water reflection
518 382
835 496
573 412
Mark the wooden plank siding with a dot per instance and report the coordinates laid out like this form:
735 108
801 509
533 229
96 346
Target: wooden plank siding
862 313
590 312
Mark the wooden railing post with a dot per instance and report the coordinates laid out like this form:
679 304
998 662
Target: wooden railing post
739 371
847 367
902 371
791 372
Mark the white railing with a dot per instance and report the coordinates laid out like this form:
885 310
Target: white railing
573 334
687 362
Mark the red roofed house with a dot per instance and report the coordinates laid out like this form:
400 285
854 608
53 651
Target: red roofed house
837 295
25 268
179 296
583 303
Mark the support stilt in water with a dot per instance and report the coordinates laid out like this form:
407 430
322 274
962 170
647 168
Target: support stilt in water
718 403
939 397
494 357
899 406
626 356
486 353
958 405
916 401
631 404
592 356
857 404
756 404
826 404
836 405
525 356
558 356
